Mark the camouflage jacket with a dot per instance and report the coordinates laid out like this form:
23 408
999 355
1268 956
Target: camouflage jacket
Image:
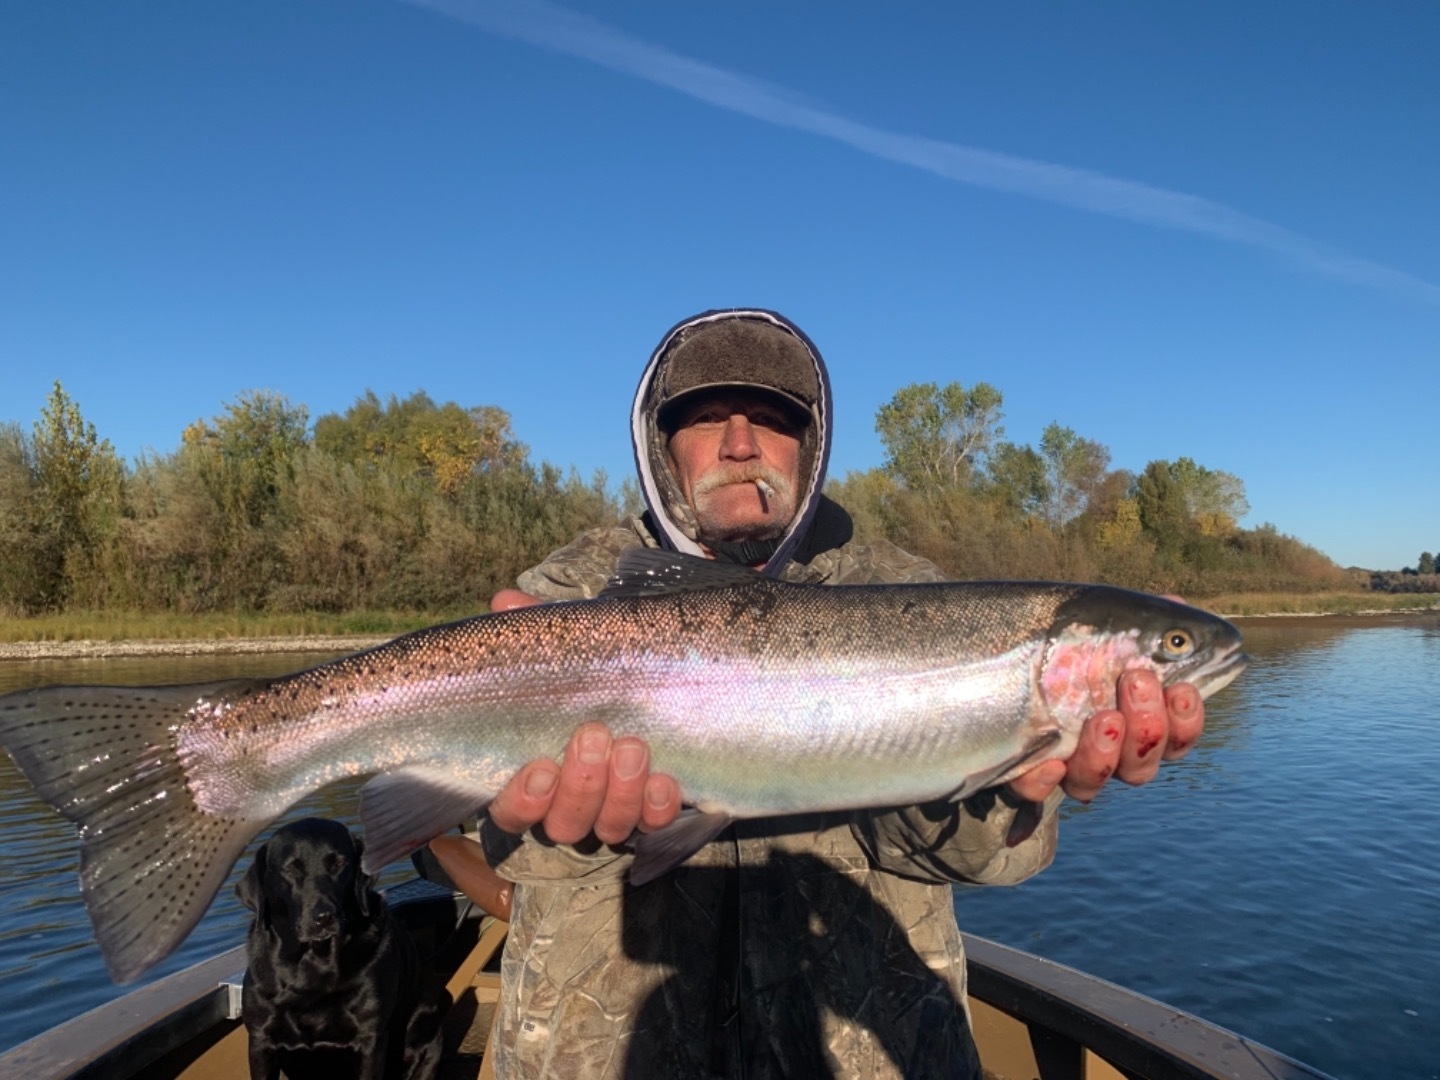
801 947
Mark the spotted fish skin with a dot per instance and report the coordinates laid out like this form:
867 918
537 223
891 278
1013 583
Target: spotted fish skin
762 698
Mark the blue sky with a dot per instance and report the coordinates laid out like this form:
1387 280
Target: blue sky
1205 230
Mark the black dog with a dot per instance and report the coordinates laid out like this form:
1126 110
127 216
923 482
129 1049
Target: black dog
333 987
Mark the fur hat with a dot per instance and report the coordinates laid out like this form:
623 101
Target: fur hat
738 353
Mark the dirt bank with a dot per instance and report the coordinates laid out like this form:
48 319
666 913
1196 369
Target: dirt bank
89 650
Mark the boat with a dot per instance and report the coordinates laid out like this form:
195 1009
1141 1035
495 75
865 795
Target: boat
1033 1019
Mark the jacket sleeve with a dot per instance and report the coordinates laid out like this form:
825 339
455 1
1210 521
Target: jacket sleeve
580 569
966 842
532 859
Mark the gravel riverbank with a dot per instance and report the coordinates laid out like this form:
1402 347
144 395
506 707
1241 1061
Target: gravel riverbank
89 650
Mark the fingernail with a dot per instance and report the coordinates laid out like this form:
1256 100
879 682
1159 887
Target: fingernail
657 793
1139 691
594 745
629 761
540 783
1183 701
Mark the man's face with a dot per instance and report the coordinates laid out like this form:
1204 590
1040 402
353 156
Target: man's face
724 442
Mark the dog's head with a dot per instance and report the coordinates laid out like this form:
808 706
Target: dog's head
306 886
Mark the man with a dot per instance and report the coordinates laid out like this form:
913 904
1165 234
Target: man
813 946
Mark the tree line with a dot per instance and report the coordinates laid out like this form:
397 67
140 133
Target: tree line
412 505
952 488
404 505
1423 577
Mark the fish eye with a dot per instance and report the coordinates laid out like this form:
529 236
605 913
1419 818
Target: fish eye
1177 642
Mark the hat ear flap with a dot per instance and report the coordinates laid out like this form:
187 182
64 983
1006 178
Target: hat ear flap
251 888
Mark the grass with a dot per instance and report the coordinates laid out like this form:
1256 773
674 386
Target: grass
1336 603
140 626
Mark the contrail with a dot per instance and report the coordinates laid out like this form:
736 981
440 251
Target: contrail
561 30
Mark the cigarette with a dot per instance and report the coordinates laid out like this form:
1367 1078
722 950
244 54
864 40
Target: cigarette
765 489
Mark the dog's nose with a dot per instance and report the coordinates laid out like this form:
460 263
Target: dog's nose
322 921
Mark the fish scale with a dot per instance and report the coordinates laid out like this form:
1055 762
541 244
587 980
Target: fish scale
762 698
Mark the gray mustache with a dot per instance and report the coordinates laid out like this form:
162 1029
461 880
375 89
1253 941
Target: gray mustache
771 482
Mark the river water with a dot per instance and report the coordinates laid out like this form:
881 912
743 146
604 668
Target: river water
1282 881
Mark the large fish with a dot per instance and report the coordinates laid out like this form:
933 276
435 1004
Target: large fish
761 698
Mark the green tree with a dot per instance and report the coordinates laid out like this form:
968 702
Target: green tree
446 443
939 436
76 504
1074 469
1214 499
1164 515
1426 564
23 545
1015 479
245 461
250 450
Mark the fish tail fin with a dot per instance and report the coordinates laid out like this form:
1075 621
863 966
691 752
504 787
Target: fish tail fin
151 861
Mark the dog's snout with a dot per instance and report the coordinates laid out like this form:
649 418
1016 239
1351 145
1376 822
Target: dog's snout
324 921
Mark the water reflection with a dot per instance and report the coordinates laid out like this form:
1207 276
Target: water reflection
1281 880
50 967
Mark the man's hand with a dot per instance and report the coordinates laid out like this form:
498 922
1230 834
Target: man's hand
604 785
1150 724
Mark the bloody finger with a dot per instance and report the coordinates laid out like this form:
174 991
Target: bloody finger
1096 756
1142 702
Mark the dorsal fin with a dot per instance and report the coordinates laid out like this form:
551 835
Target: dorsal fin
651 571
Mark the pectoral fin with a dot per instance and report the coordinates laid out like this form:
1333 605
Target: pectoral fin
1035 751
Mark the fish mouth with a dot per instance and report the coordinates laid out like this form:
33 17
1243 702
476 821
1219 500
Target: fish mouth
1220 672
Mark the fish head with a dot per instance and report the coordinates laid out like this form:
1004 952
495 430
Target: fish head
1103 632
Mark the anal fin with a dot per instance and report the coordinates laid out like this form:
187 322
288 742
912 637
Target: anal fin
403 810
661 851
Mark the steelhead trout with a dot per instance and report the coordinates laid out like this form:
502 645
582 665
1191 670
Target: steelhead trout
761 698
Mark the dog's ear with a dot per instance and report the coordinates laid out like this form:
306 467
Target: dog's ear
363 881
251 888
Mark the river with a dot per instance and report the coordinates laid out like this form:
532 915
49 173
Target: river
1282 881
